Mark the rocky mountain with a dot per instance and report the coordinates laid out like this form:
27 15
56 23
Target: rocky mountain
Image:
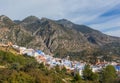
58 37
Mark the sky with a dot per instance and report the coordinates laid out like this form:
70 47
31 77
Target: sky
102 15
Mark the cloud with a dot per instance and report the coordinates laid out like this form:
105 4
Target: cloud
88 10
108 25
98 14
113 33
111 22
19 9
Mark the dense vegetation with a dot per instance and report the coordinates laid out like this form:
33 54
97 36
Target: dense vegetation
24 69
16 68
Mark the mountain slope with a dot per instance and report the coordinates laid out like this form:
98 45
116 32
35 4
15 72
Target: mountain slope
59 37
93 36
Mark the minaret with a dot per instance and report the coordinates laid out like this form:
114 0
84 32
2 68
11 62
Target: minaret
98 61
68 57
104 61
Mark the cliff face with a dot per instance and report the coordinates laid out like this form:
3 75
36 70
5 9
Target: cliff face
51 36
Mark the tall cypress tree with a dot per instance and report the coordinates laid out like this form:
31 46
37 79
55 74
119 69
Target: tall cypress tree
108 74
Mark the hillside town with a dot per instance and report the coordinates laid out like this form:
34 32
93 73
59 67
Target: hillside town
75 66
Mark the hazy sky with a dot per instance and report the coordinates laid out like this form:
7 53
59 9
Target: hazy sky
103 15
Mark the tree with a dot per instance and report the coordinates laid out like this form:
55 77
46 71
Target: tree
77 77
64 70
15 66
57 68
89 75
95 77
108 74
87 72
41 66
20 77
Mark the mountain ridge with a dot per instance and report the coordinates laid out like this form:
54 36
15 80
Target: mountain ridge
57 37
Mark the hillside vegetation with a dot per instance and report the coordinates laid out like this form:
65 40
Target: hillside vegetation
24 69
